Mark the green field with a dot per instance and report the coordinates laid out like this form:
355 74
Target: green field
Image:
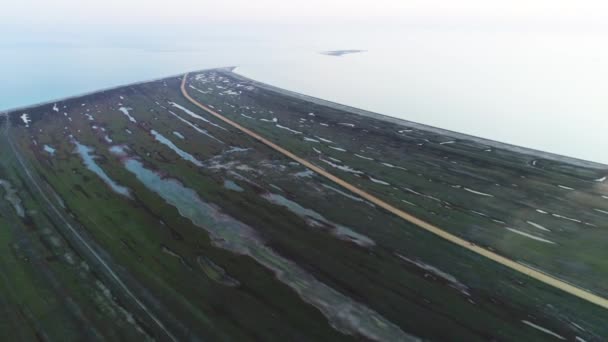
130 214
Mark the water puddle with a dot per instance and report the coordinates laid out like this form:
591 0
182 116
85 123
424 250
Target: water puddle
12 197
88 158
230 185
343 313
185 155
317 220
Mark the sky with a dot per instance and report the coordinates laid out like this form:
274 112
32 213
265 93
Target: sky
58 13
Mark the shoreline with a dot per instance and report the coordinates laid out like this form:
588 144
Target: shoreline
102 90
338 106
457 135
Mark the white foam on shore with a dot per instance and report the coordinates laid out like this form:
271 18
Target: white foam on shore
55 108
533 237
542 211
311 140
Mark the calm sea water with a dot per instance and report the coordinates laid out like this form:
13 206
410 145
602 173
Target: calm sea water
544 90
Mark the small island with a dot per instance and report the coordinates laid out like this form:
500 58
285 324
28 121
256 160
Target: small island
340 53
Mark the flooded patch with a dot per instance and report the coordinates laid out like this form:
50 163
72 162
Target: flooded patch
337 148
88 158
26 119
185 155
196 128
288 129
363 157
126 112
601 211
347 195
377 181
311 140
536 225
315 219
545 330
10 194
394 166
344 168
230 185
215 272
48 149
567 218
453 281
478 192
343 313
304 174
530 236
324 140
196 116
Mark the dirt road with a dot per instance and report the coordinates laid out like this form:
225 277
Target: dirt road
538 275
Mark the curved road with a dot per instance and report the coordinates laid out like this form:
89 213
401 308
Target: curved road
540 276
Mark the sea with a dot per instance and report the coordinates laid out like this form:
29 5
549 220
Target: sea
544 90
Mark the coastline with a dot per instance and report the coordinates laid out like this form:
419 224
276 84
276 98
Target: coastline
232 70
457 135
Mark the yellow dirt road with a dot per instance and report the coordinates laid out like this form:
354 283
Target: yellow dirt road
545 278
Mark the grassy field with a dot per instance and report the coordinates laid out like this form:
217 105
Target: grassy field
136 235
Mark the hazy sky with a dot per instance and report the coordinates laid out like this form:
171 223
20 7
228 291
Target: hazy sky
67 12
